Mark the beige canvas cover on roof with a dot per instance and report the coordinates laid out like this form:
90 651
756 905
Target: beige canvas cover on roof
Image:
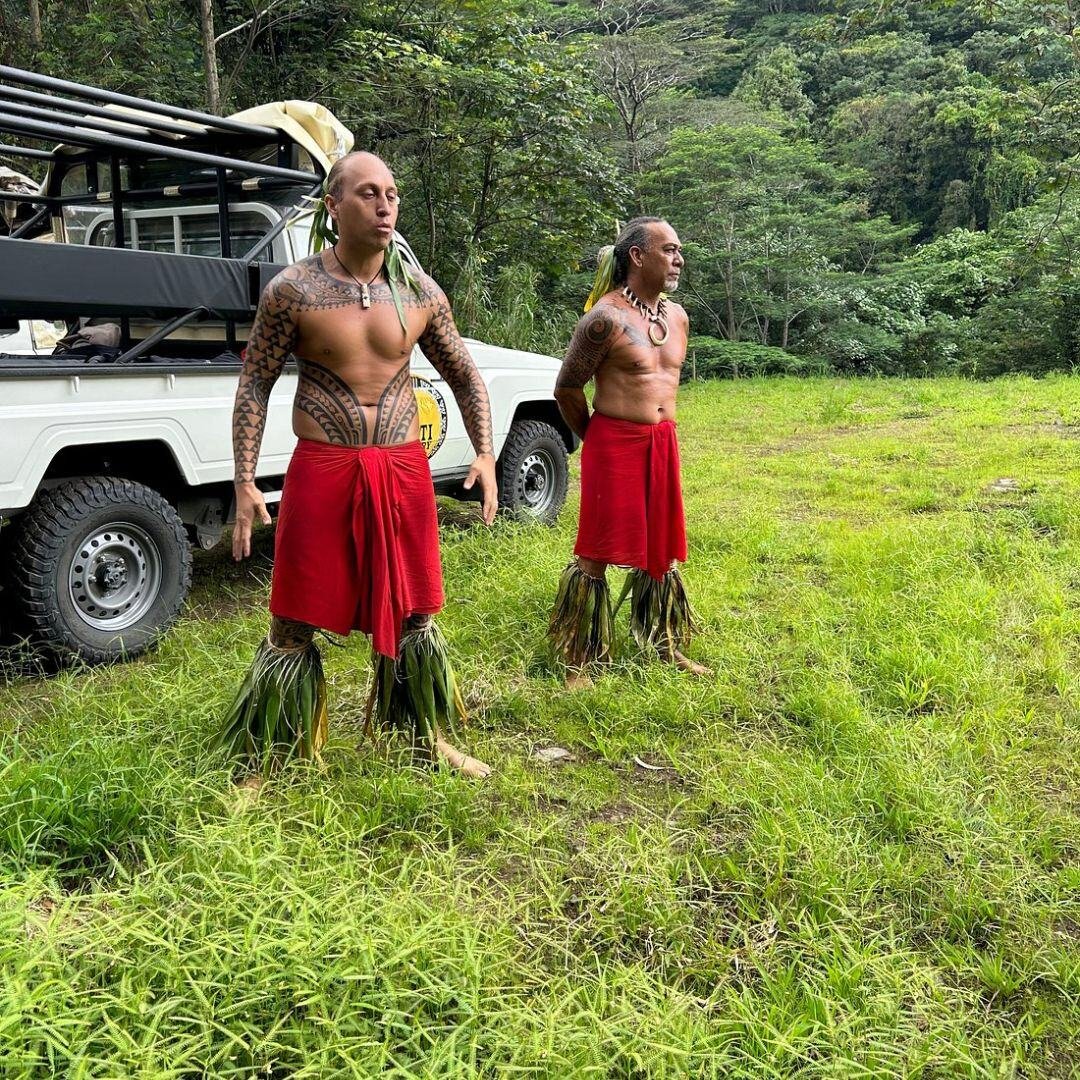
312 126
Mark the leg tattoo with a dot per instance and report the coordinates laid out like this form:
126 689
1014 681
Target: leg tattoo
288 635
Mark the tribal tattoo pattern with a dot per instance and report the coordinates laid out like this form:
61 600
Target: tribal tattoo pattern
589 347
289 635
273 336
397 408
321 393
323 290
329 400
443 346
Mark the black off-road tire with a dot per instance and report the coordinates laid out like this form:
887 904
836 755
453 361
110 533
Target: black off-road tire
533 472
99 568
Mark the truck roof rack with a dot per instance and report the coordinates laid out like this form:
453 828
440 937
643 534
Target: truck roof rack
200 138
92 93
130 150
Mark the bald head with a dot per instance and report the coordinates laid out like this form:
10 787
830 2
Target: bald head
362 200
354 166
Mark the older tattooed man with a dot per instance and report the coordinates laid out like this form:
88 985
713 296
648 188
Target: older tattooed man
631 344
357 544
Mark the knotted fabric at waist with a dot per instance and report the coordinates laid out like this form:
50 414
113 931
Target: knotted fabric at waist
631 495
357 542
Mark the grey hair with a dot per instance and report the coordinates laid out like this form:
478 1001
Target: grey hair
634 234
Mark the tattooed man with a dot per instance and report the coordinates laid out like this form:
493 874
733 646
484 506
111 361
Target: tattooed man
357 538
631 344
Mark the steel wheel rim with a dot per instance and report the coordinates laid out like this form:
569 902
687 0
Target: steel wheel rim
536 481
114 576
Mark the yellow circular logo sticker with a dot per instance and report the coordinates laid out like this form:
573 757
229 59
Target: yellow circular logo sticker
431 409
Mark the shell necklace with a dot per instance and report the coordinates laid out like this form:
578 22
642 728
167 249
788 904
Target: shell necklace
657 318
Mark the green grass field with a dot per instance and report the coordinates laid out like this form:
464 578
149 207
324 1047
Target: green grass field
854 852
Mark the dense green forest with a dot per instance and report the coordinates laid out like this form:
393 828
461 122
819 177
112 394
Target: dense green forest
861 185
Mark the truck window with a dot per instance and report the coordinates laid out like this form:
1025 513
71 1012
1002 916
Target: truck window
74 181
154 234
181 233
199 234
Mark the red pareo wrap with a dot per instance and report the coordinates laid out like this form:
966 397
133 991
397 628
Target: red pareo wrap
631 495
357 545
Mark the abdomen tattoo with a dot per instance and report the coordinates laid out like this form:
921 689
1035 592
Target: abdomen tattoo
329 400
397 407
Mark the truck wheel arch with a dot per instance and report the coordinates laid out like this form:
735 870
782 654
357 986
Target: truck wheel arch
146 461
547 412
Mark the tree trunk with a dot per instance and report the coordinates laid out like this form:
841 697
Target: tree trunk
35 24
209 47
729 282
480 220
426 158
635 167
765 323
429 201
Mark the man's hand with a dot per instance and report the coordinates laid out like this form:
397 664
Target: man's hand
250 506
483 469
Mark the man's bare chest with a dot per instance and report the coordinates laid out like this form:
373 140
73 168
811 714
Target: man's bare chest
635 354
338 320
344 335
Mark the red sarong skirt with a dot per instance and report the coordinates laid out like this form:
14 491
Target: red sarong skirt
357 544
631 495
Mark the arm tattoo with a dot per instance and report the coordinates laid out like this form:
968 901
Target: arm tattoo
329 400
443 346
273 336
397 407
588 349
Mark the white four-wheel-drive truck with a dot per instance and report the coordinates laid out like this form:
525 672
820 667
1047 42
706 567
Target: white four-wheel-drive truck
144 254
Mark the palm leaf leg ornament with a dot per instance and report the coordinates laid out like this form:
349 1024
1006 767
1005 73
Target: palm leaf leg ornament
661 617
417 694
280 711
581 628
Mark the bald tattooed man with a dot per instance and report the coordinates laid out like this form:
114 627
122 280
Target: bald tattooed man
357 544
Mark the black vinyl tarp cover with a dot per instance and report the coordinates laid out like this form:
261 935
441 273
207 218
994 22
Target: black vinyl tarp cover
60 281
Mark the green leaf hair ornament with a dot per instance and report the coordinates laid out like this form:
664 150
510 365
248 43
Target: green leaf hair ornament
605 271
398 275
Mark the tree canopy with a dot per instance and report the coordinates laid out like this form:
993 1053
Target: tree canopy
876 185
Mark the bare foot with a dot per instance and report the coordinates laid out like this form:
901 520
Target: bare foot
467 766
577 679
684 663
